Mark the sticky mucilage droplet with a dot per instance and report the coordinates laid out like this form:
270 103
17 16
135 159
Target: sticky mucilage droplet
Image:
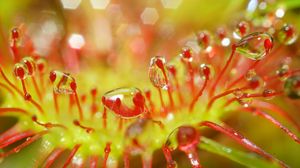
255 46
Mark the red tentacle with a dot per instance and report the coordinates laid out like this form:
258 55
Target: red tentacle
71 155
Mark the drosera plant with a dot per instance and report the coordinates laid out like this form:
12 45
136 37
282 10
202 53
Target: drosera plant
195 90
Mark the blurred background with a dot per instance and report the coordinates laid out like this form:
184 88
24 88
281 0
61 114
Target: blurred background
122 34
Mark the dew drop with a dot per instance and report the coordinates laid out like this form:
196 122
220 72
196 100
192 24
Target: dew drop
241 30
227 150
292 87
157 72
268 94
41 65
255 46
125 102
187 138
238 94
206 71
20 71
287 35
203 39
186 54
30 65
15 33
246 102
63 83
254 81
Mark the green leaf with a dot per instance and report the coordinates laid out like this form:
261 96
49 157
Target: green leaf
243 158
289 4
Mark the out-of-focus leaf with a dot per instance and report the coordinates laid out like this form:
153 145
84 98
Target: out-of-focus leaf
243 158
28 157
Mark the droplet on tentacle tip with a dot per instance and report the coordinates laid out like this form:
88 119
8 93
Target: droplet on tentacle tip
41 65
206 71
187 137
63 83
255 46
287 35
241 30
15 33
223 38
30 65
254 81
292 87
186 54
20 71
157 72
125 102
203 39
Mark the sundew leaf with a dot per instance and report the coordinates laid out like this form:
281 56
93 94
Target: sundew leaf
243 158
29 157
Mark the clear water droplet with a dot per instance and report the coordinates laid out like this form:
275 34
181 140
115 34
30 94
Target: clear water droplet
246 102
125 102
292 87
157 72
238 94
287 35
62 82
268 94
255 46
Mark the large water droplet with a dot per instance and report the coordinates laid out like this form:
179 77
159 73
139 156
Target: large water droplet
187 138
125 102
255 45
157 72
292 87
287 34
62 82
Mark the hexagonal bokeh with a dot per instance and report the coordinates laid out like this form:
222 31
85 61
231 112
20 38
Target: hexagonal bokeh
99 4
70 4
149 16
